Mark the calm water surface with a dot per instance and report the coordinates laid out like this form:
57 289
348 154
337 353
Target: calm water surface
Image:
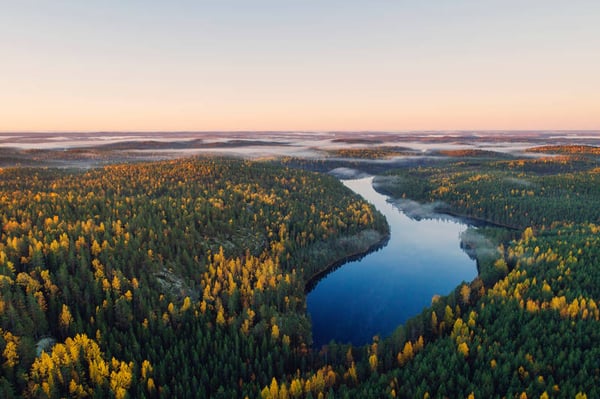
377 293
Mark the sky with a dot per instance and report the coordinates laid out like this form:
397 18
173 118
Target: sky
223 65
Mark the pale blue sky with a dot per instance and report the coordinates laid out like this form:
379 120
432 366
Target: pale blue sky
311 65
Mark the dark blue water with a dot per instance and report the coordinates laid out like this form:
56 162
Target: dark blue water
381 291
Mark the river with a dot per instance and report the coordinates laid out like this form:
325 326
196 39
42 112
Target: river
381 291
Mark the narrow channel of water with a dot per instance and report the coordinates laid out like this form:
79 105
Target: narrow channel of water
381 291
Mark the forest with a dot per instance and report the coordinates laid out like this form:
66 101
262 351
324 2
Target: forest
173 279
187 278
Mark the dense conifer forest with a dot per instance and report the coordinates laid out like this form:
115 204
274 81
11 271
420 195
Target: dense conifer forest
171 279
187 278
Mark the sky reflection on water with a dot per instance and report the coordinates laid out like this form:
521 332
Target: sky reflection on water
377 293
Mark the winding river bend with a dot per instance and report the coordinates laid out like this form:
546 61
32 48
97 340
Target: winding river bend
377 293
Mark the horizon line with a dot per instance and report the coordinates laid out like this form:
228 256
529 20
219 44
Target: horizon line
299 131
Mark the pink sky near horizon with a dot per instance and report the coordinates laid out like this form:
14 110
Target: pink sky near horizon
273 65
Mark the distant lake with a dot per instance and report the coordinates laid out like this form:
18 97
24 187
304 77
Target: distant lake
381 291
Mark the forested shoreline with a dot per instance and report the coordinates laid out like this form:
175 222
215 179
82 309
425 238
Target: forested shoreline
527 327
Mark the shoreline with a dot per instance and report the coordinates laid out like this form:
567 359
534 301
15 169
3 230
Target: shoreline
359 253
445 210
478 220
